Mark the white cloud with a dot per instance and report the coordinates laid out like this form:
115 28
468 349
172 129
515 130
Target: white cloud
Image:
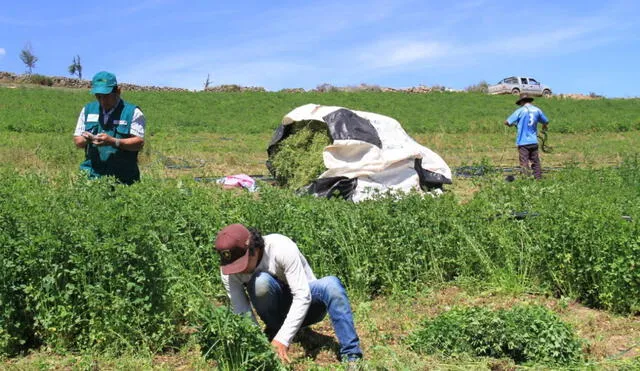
297 47
410 50
398 53
191 71
554 41
2 52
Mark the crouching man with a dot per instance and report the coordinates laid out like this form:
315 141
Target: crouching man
271 274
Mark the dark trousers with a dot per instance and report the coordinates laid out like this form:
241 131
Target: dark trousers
529 154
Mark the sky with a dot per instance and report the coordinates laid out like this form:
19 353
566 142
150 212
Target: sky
574 47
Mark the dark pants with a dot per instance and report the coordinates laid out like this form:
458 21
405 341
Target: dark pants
529 153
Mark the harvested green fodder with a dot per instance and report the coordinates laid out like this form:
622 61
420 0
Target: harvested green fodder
233 341
298 159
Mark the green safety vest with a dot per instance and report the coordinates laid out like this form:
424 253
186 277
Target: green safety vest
108 160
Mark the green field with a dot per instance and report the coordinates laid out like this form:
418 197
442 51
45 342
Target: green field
101 275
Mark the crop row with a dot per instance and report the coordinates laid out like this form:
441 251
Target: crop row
94 265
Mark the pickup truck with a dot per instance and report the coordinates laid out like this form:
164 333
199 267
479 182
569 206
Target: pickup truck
516 85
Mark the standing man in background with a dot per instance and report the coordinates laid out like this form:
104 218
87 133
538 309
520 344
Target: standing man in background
527 118
111 131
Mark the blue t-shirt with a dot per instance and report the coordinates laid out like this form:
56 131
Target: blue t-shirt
527 118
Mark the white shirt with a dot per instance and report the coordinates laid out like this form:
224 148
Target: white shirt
137 122
282 259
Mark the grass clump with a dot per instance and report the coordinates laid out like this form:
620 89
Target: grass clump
524 333
298 158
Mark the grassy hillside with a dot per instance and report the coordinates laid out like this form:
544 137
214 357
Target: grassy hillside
55 110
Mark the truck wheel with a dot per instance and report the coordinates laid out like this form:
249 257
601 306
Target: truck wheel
546 93
515 91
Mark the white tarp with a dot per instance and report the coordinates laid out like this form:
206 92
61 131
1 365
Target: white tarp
387 163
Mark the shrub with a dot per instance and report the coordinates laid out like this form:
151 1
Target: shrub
326 88
76 279
481 87
362 87
16 322
525 333
40 80
233 88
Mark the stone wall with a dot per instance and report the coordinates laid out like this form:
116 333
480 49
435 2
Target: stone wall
234 88
70 82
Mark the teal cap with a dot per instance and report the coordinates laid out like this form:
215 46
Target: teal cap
103 83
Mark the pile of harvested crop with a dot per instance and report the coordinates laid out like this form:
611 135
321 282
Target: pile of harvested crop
297 160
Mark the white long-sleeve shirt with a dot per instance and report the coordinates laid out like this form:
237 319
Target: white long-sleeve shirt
282 259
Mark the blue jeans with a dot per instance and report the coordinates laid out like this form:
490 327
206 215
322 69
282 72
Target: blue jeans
272 299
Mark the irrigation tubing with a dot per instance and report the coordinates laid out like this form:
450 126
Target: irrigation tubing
479 170
462 171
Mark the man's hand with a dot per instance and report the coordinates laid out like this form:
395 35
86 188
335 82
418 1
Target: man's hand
103 139
281 350
87 135
506 123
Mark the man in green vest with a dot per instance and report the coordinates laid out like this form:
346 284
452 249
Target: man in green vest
111 131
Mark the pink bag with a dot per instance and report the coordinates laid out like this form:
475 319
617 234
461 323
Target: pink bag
238 180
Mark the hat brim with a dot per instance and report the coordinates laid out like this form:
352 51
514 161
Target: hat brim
527 99
101 89
237 266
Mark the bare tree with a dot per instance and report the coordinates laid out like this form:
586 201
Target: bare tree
76 68
207 83
27 57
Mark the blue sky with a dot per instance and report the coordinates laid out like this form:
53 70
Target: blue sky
572 46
